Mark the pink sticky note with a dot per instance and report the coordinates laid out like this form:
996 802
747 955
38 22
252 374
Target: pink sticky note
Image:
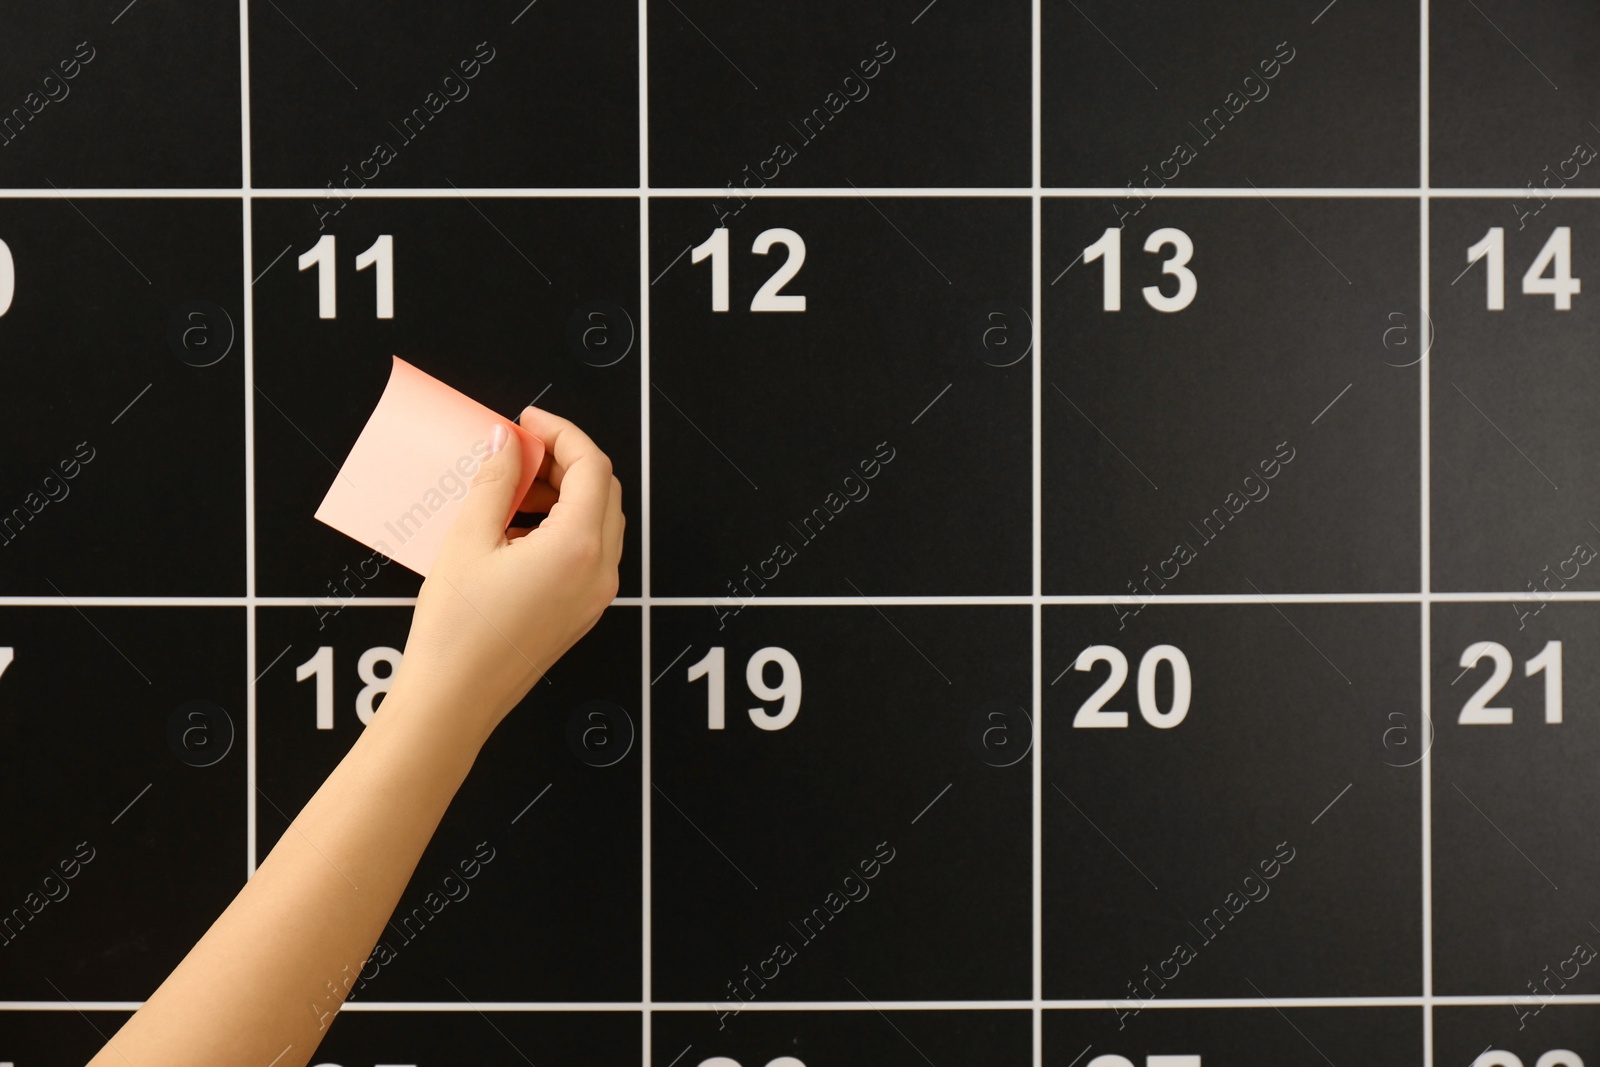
402 485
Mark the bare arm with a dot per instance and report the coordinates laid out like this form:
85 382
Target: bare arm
274 968
265 981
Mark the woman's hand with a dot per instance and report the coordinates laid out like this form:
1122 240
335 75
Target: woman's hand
500 607
264 982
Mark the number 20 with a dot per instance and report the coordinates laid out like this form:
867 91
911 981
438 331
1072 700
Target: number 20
1091 717
1109 248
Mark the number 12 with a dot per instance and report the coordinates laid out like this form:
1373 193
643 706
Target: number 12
767 298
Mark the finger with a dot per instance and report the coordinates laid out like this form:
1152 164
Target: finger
481 523
611 529
578 469
585 494
563 442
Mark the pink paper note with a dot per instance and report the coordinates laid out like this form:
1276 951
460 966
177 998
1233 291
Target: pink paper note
402 485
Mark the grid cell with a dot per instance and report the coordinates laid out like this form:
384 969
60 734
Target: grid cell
827 807
534 872
508 300
1222 781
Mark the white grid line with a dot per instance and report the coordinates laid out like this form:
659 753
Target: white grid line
1426 562
247 255
688 1007
1036 701
1121 599
645 799
1018 192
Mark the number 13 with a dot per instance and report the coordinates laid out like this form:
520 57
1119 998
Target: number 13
1109 248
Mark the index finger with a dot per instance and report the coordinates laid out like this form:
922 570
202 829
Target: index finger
578 469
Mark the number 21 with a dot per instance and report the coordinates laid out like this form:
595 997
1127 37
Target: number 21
1476 711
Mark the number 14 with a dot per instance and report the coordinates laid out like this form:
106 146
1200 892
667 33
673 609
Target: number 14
1555 256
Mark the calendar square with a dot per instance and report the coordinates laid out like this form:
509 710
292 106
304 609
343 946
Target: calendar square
124 96
509 300
835 94
1227 94
842 449
830 786
892 1038
359 95
1508 85
1221 781
1513 443
1530 1029
483 1035
1229 402
127 777
1512 802
1285 1035
121 419
507 894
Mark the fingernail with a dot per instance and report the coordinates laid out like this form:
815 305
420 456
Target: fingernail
497 439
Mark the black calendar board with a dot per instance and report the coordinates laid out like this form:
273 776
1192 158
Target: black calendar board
1113 550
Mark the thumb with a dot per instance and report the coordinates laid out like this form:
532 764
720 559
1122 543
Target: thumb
481 523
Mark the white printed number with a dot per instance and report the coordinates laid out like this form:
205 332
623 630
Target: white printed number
768 297
1090 716
324 256
1555 256
1149 1061
6 656
320 667
787 690
1109 248
8 278
1556 1057
1477 711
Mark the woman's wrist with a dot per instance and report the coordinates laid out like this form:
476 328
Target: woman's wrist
423 707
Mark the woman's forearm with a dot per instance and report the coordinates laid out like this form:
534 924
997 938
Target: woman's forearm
263 984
